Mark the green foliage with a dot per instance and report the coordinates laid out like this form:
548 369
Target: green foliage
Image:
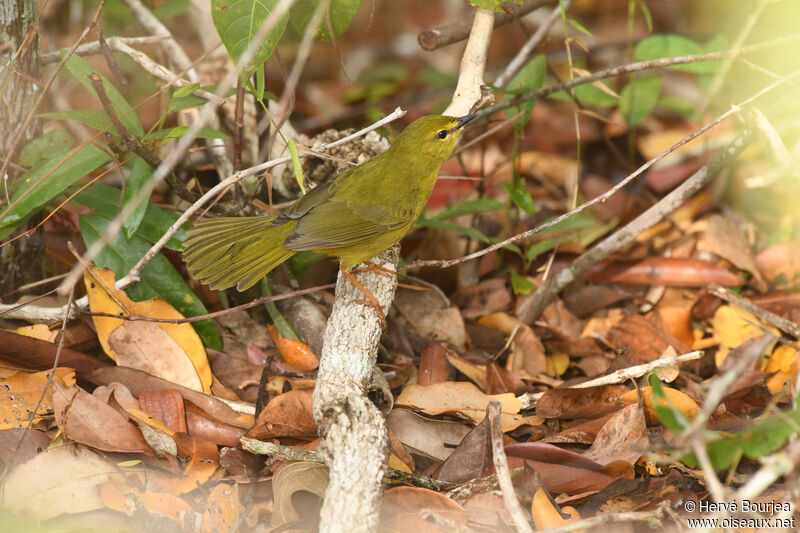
529 78
521 285
94 118
40 148
48 179
520 196
159 277
340 13
639 98
665 46
238 23
672 419
105 201
81 69
469 207
296 166
178 131
140 174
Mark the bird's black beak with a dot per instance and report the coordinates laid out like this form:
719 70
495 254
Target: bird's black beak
462 121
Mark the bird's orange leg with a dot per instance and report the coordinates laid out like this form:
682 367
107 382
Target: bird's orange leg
371 300
372 267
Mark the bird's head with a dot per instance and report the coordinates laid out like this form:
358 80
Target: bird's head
434 136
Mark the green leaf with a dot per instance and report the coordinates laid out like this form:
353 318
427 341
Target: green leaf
580 27
538 248
469 207
81 69
679 106
590 95
665 46
93 118
159 277
43 147
62 170
521 284
667 414
139 176
178 131
298 168
340 12
105 201
520 196
179 103
529 78
186 90
472 233
639 98
238 23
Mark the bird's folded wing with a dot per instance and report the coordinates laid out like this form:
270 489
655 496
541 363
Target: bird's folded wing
338 223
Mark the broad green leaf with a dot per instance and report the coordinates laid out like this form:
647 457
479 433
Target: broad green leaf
94 118
679 106
178 131
105 201
639 98
665 46
298 168
590 95
81 69
179 103
159 277
140 173
520 196
340 12
238 23
469 207
529 78
43 147
62 170
521 285
472 233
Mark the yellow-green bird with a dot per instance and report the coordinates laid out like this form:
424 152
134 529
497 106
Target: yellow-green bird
353 216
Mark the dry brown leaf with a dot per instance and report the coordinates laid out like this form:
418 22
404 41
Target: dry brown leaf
477 373
565 403
203 463
166 407
287 415
116 496
147 347
59 480
528 349
299 489
725 238
683 403
623 437
402 505
20 395
782 260
103 297
470 459
733 326
294 352
432 316
433 364
465 399
222 509
546 516
86 419
430 438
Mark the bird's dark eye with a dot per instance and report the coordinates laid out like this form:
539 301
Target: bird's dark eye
442 134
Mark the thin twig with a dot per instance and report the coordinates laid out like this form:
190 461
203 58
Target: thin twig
503 474
519 61
458 31
93 47
529 399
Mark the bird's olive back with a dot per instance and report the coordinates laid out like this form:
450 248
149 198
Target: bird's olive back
434 136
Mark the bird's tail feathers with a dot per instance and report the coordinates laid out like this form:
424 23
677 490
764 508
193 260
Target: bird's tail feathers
228 251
